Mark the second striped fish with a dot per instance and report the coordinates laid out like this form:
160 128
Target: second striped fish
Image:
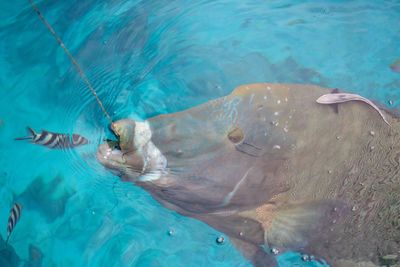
15 213
54 140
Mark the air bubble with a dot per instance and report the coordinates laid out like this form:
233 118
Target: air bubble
305 257
275 251
171 232
220 240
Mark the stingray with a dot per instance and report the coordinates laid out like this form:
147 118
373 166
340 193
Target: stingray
274 170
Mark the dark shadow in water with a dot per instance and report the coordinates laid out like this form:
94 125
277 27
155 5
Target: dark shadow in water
8 257
35 257
47 198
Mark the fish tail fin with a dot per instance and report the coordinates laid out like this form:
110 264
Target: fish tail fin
31 131
31 136
23 138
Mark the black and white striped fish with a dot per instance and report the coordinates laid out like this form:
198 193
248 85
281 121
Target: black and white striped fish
15 213
55 140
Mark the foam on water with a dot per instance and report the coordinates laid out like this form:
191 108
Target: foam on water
150 57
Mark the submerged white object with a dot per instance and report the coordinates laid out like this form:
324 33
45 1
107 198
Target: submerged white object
335 98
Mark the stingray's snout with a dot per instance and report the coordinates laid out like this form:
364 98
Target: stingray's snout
121 162
102 151
110 156
124 130
134 155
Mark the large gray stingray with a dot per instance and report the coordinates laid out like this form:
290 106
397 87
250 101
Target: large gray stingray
272 168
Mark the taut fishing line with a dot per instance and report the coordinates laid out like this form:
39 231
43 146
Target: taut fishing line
78 68
81 73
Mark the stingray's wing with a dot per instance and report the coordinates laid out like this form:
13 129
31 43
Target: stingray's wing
246 234
310 227
257 255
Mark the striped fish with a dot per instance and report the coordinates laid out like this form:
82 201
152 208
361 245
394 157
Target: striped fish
54 140
15 213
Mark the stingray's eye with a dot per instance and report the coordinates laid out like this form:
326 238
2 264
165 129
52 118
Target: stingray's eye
236 135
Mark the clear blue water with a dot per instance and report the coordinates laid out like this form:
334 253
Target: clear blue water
145 58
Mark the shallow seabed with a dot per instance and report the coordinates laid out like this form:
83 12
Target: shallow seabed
145 58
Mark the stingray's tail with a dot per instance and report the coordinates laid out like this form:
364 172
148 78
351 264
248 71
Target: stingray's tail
31 136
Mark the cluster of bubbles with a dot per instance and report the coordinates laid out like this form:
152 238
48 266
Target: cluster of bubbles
306 257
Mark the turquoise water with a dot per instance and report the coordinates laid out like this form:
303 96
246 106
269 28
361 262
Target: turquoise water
145 58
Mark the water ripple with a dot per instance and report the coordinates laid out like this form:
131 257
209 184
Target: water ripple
150 57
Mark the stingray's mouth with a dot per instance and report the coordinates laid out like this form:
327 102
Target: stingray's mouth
110 155
113 144
133 155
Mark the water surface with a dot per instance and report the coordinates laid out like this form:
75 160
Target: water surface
146 58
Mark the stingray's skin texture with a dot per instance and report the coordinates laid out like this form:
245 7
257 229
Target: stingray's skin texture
272 168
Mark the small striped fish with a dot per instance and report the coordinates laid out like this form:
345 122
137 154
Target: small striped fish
54 140
15 213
